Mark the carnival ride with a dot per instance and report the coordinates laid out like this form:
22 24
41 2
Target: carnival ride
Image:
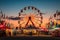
34 17
30 20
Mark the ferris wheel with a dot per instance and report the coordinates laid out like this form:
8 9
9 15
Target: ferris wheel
31 14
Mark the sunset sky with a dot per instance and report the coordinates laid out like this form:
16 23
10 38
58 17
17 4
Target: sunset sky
12 7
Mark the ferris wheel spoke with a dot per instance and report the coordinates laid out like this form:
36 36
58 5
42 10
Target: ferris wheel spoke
22 23
37 19
36 22
22 17
37 16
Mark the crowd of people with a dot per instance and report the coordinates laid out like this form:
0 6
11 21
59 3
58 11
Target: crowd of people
56 29
3 27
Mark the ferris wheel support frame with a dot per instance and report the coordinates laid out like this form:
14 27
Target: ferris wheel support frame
33 8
